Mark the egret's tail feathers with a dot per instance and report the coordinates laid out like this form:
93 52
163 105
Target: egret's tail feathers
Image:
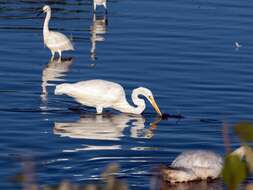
61 89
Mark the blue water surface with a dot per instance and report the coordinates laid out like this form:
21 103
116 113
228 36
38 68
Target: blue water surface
184 51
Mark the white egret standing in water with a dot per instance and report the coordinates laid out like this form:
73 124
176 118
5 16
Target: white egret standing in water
55 41
197 165
105 94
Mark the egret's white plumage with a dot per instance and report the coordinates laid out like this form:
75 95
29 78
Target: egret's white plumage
196 165
105 94
55 41
99 2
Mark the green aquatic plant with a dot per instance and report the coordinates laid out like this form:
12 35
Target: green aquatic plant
109 181
244 131
236 169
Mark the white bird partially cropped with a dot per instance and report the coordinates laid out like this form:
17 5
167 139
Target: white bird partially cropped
197 165
105 94
99 2
55 41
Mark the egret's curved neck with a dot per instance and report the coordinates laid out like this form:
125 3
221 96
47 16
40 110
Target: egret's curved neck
138 102
45 27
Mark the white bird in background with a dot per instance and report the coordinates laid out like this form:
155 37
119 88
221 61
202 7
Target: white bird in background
105 94
99 2
197 165
55 41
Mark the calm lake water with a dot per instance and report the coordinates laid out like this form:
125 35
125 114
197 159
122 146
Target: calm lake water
183 50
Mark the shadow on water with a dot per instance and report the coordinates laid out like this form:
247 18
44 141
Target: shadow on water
198 185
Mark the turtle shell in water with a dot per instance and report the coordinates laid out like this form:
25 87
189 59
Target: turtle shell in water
194 165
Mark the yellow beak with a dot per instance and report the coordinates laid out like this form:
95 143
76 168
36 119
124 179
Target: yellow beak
155 106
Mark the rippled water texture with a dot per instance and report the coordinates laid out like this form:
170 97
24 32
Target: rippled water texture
183 50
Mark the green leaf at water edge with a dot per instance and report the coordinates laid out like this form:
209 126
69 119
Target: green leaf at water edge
245 131
234 171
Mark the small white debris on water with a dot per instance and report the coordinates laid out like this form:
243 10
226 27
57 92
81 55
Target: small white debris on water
237 45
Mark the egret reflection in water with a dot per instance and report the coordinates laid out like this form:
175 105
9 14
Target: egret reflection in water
55 70
104 127
98 3
98 29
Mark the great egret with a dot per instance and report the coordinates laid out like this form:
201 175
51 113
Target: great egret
104 94
55 41
197 165
99 2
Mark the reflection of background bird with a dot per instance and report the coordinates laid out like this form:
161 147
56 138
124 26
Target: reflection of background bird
99 2
98 28
101 127
197 165
54 71
55 41
105 94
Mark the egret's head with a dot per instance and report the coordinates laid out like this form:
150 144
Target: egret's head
149 95
46 8
62 89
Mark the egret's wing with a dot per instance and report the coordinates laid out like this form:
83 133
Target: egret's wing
99 91
59 40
